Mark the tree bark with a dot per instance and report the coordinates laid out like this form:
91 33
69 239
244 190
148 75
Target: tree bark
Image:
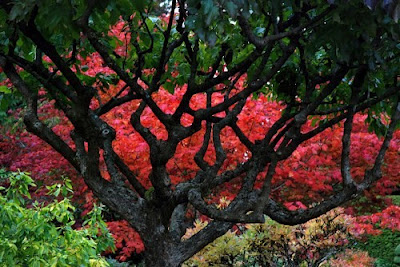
161 253
161 249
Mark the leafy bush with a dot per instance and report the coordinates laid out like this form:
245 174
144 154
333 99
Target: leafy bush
44 235
397 255
272 244
382 247
351 258
115 263
395 199
225 251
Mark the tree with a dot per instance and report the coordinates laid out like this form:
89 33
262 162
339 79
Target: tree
325 62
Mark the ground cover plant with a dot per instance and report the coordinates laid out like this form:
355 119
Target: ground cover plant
164 111
273 244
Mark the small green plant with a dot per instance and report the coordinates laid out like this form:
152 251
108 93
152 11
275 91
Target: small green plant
395 199
381 247
224 251
44 235
115 263
397 255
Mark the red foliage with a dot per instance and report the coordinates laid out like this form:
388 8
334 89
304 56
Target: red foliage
389 218
306 176
127 240
20 150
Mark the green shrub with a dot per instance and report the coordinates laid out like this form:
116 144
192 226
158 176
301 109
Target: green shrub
397 250
382 247
224 251
395 199
44 235
396 259
115 263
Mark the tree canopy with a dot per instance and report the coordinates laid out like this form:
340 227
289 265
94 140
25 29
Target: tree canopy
322 61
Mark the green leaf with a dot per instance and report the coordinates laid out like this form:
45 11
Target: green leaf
84 68
231 8
149 193
4 89
169 86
